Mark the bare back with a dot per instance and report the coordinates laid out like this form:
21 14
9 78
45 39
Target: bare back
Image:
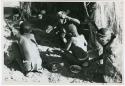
79 46
30 50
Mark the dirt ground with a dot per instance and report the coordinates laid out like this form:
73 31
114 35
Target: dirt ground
11 70
64 75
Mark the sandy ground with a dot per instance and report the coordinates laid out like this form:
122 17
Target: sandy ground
11 70
45 77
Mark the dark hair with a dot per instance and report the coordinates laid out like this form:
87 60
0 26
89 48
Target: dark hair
58 15
103 31
23 25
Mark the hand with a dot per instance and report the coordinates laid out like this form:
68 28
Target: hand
49 29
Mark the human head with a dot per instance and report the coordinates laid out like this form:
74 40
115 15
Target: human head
61 15
104 35
25 27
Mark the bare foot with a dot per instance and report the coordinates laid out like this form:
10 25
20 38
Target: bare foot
40 70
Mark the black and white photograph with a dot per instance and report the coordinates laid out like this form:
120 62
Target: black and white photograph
62 42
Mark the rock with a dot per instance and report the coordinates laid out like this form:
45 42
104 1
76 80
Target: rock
11 52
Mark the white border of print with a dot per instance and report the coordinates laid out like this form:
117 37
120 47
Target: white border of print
32 84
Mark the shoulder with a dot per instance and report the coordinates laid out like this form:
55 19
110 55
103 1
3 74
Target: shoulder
74 39
31 35
82 36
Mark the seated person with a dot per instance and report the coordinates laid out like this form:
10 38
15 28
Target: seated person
63 24
111 55
30 58
78 47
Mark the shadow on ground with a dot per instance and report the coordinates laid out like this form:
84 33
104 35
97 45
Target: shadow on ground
50 40
86 74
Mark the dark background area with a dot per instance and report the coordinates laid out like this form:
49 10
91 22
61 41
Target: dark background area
77 9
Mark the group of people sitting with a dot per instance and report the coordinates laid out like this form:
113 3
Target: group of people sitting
75 45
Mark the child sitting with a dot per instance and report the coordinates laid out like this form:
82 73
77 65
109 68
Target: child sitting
28 47
111 55
78 47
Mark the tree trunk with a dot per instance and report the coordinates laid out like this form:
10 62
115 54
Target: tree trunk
25 10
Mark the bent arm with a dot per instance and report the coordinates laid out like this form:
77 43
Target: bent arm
69 45
73 20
